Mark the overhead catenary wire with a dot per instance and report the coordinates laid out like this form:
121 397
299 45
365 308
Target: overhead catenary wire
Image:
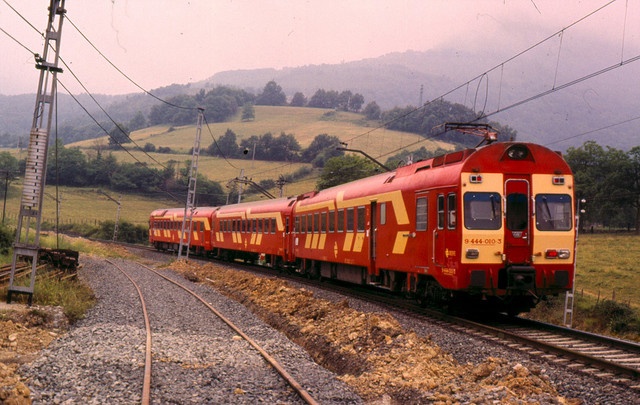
87 90
104 129
486 72
124 74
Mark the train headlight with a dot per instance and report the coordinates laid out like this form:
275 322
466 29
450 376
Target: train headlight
472 253
518 152
564 254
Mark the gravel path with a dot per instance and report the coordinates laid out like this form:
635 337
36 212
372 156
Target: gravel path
196 357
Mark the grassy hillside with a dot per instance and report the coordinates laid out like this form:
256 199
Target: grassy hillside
304 123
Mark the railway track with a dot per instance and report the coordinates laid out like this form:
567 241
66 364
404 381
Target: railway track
604 357
302 393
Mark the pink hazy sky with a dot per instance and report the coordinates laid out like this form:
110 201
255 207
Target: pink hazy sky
160 42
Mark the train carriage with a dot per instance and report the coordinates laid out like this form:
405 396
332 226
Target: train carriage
165 228
493 224
490 227
254 231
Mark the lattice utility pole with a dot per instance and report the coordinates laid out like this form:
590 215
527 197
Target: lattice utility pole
191 194
35 173
119 202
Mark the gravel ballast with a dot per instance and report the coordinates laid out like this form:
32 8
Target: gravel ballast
196 357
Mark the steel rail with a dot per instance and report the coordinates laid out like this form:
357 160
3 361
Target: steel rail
270 359
615 342
547 347
500 333
146 385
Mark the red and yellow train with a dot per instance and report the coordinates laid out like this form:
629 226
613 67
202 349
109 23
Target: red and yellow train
491 226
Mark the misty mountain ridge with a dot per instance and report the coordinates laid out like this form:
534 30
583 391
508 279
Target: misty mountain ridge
396 79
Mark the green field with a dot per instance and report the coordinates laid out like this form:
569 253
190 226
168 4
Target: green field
85 205
606 263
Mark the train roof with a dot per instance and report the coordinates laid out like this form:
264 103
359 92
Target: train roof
258 206
445 170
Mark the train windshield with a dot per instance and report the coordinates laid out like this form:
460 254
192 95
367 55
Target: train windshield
482 211
553 212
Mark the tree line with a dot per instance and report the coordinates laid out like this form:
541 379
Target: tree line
281 148
71 167
608 179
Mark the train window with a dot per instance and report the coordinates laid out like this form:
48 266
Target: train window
316 222
517 212
297 224
421 214
441 211
323 222
482 211
273 225
451 211
332 221
553 212
383 213
254 226
361 218
349 219
260 222
309 223
340 220
303 224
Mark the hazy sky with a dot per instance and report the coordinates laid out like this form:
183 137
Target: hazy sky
160 42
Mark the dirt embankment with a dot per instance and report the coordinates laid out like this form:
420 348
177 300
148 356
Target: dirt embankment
23 332
371 352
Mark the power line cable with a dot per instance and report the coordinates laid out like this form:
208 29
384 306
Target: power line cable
87 91
125 75
441 97
594 130
115 140
23 18
216 143
18 42
110 118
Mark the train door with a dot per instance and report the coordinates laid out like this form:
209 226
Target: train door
439 233
518 219
373 230
287 238
420 234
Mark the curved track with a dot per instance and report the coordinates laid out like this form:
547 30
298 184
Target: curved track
303 394
146 385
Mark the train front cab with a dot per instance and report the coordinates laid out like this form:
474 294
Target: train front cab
518 237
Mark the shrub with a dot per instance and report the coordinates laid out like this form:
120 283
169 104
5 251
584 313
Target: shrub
6 239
